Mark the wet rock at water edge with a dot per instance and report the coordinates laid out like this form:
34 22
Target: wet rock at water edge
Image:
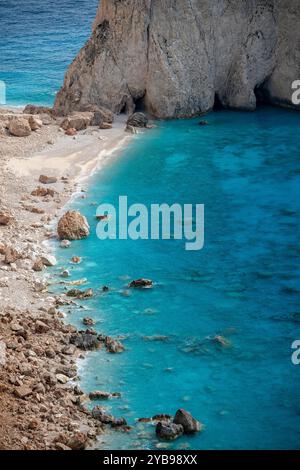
85 340
141 283
73 226
185 419
88 321
137 120
38 265
79 294
49 260
113 346
169 431
100 395
100 414
44 179
65 244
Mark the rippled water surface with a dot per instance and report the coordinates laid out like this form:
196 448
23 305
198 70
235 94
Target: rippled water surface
244 284
38 40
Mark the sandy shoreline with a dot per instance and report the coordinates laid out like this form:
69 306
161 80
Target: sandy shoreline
39 407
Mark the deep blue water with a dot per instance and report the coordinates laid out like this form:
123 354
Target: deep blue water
38 40
244 284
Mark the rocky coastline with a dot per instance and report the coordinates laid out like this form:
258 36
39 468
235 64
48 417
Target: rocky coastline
42 406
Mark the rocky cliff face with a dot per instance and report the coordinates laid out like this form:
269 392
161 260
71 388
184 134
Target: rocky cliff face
176 58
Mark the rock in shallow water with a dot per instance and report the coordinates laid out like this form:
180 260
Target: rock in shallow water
73 226
185 419
169 431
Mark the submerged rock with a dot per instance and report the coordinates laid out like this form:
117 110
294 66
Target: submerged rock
65 244
169 431
185 419
73 226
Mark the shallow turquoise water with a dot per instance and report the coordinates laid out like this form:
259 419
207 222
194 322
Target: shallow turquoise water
38 40
244 284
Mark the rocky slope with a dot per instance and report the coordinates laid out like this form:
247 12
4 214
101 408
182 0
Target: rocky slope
178 58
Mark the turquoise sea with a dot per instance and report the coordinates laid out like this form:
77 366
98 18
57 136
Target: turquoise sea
244 284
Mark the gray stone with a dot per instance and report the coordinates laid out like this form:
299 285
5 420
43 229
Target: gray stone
175 58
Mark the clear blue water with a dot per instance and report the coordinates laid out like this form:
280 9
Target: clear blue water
38 40
244 284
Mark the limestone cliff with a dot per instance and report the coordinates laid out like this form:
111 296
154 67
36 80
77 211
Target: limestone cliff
176 58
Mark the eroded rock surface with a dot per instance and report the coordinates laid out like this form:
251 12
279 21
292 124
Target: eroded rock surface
175 59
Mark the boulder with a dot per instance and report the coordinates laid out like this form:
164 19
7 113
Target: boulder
71 131
113 346
80 294
23 391
38 265
61 378
19 127
11 255
35 123
100 414
99 395
49 260
47 179
73 226
100 114
77 121
85 341
141 283
105 125
43 192
41 327
5 218
88 321
169 431
185 419
137 120
77 441
33 109
76 259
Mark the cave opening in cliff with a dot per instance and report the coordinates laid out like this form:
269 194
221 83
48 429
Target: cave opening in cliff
217 103
261 94
140 105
